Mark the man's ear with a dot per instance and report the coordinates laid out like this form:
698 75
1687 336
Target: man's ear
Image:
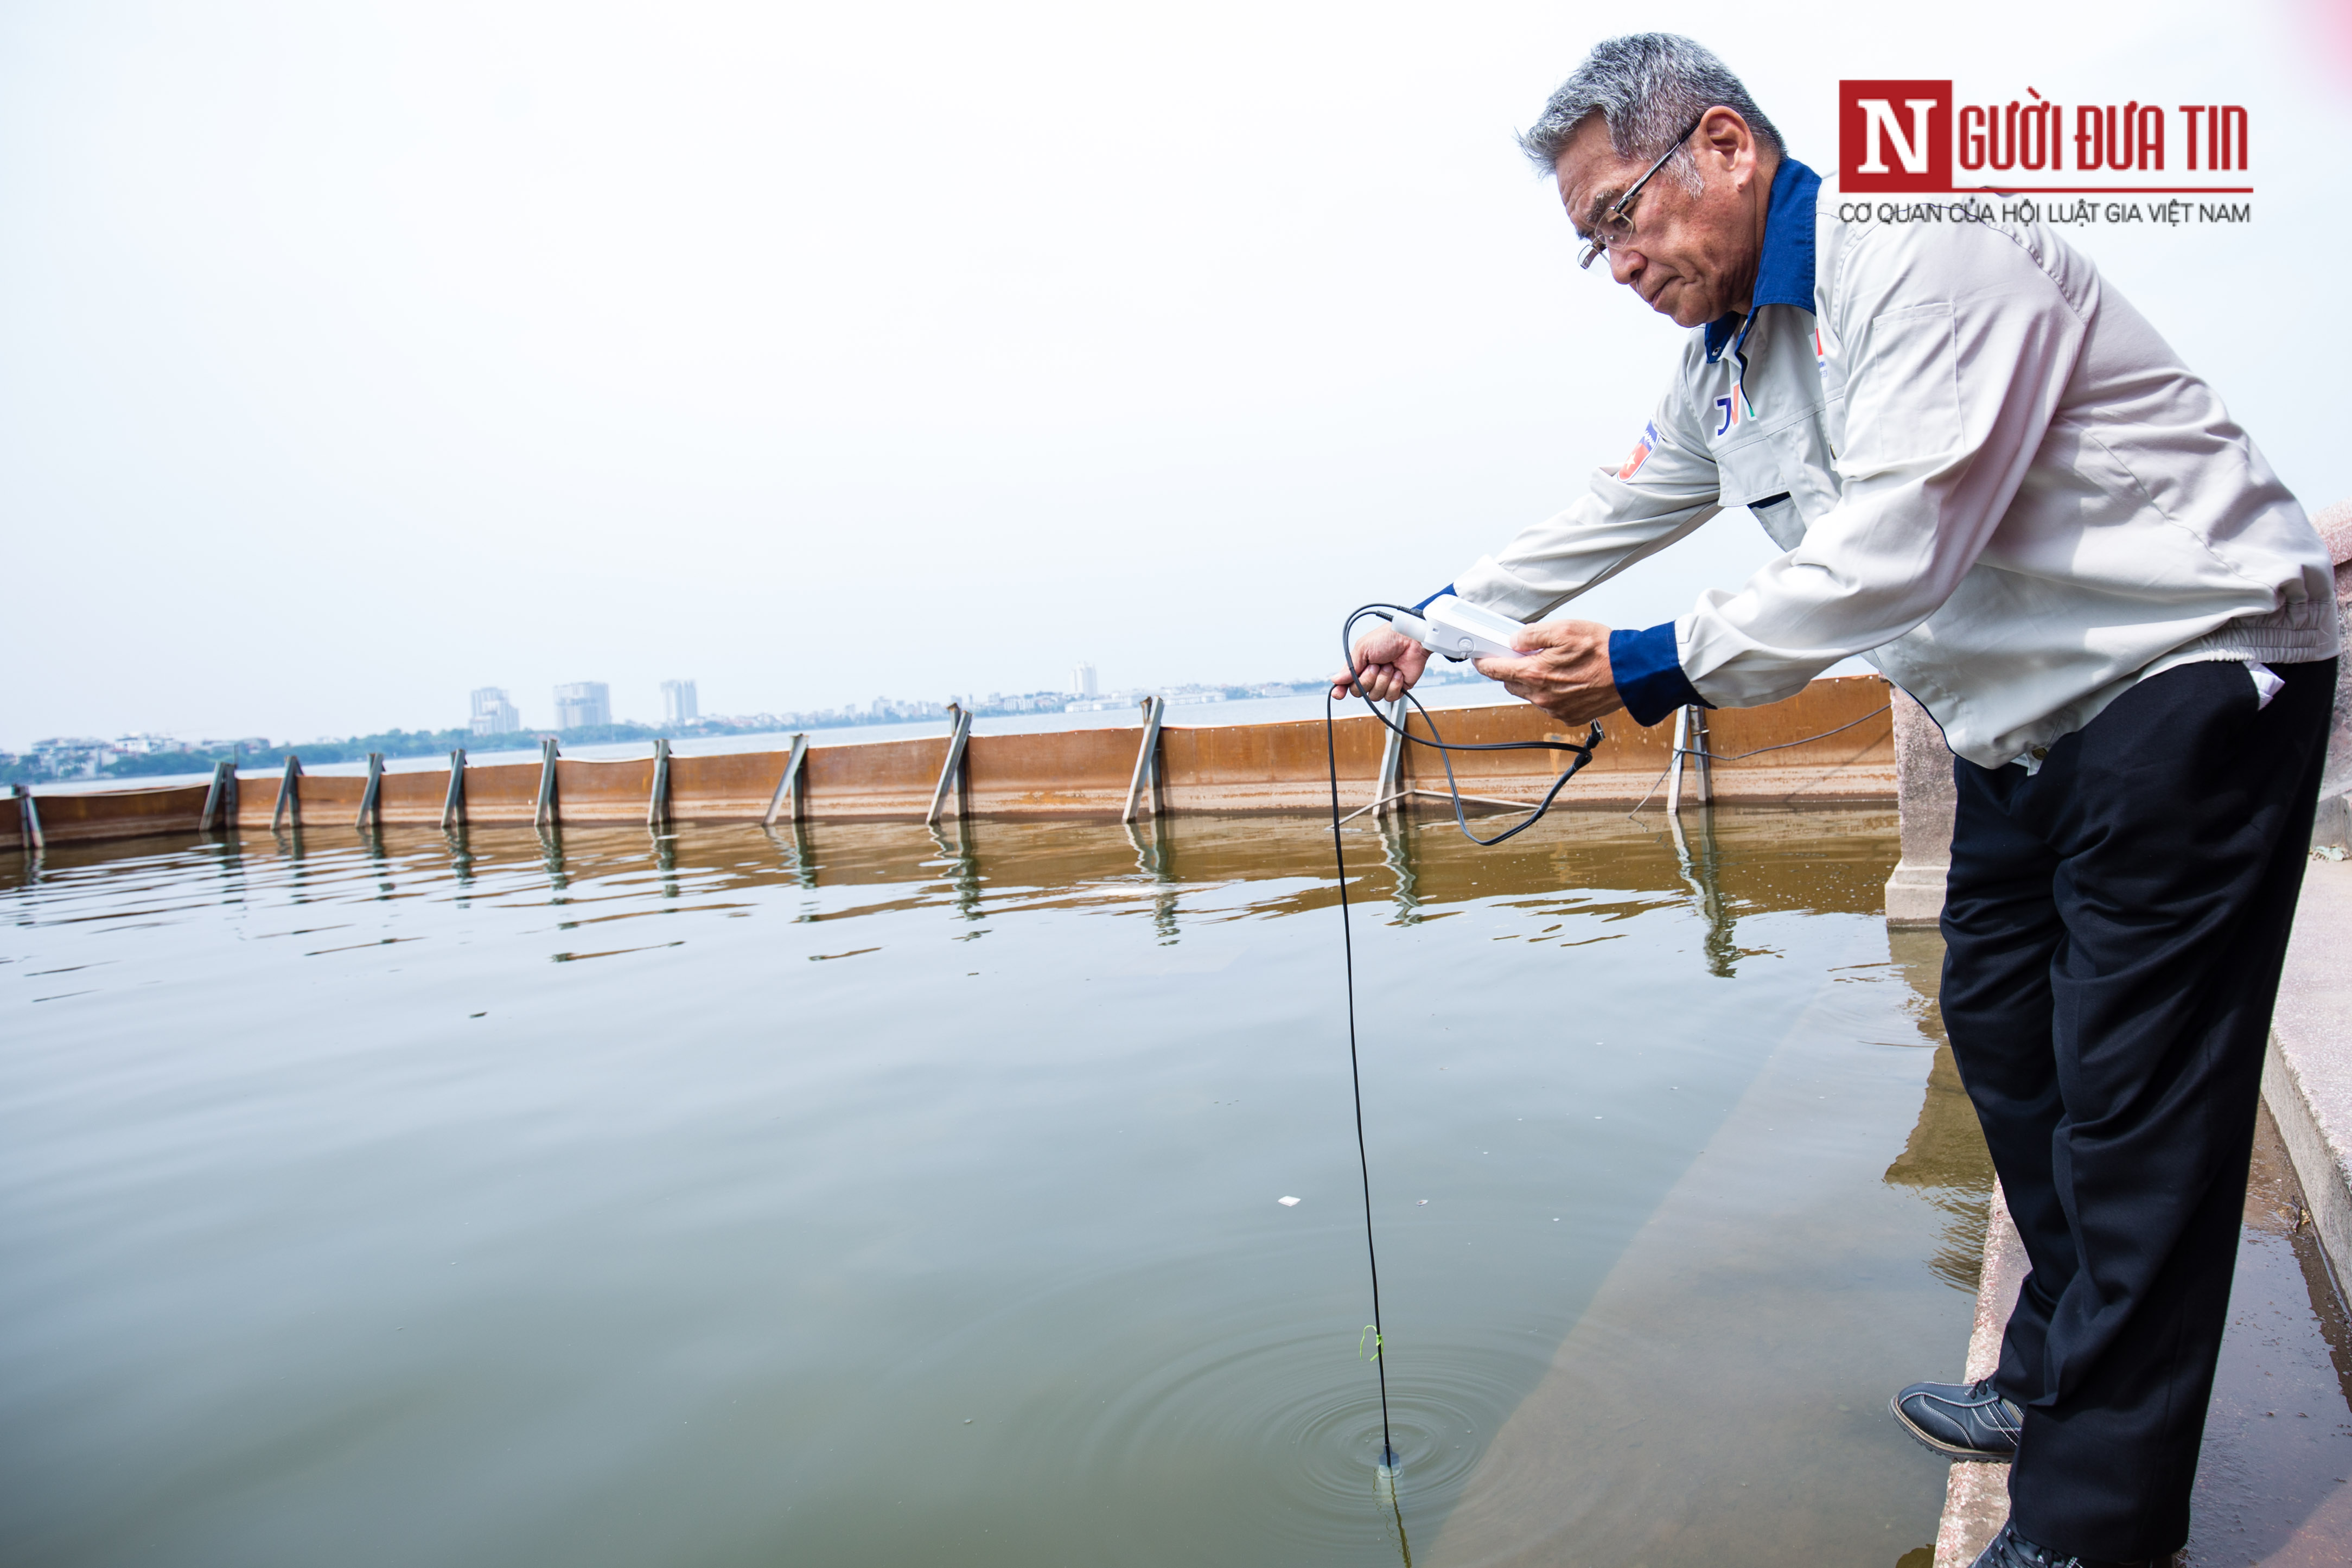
1727 136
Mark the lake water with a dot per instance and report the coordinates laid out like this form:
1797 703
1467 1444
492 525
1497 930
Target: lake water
859 1195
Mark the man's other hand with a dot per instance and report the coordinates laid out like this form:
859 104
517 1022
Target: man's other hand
1564 670
1387 664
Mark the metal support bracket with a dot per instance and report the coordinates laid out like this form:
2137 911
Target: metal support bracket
220 800
1388 793
1674 766
453 804
1703 785
289 796
370 814
1690 741
658 805
31 815
793 788
951 771
1146 760
544 814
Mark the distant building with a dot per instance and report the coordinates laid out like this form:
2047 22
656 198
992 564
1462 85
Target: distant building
898 708
71 756
493 714
1082 681
1022 702
584 704
679 704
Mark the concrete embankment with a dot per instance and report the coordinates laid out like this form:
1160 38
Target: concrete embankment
1842 751
2307 1079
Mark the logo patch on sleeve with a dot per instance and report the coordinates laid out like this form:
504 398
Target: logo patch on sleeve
1641 453
1734 408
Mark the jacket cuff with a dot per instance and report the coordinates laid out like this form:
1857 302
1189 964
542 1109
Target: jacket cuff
1648 671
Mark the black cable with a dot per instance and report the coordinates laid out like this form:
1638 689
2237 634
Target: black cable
1356 1077
1444 749
1583 754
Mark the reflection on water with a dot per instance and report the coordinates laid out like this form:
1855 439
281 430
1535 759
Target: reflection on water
1945 1159
876 1193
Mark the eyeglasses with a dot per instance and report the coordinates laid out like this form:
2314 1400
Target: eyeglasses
1615 228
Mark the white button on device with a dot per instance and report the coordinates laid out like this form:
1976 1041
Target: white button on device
1467 631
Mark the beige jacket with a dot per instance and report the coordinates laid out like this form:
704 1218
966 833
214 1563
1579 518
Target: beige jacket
1994 481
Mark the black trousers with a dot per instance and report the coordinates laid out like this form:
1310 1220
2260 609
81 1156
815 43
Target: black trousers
2115 927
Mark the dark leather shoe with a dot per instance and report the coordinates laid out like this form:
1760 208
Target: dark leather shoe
1964 1420
2011 1550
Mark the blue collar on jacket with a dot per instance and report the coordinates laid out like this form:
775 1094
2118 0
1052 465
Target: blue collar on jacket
1784 274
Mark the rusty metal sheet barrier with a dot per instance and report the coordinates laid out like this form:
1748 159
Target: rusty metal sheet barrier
506 793
329 802
1854 764
1085 773
406 800
602 792
734 786
881 778
321 801
1068 772
1282 767
117 814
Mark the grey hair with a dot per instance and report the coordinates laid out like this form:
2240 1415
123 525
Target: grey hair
1645 87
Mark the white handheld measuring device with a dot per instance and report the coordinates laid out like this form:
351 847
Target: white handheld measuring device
1458 630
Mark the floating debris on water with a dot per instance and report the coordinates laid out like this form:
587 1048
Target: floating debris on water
1287 1203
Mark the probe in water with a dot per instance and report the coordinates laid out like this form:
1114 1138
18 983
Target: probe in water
1474 637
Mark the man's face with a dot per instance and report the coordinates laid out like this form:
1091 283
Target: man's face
1692 256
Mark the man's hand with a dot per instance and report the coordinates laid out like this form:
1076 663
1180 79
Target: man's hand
1387 664
1564 672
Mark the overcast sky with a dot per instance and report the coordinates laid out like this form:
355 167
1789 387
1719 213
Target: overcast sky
355 355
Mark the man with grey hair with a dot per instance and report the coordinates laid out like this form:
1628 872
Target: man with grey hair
1988 475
